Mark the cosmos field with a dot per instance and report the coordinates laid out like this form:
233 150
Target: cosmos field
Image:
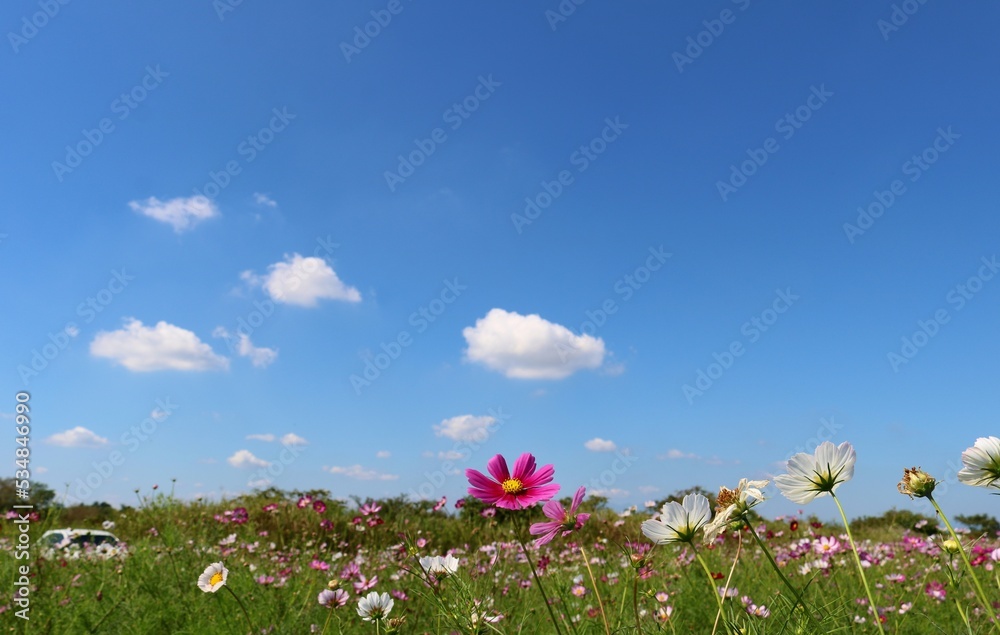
514 557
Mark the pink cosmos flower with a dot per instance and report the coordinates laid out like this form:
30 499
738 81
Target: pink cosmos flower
441 503
363 583
319 507
333 599
519 490
562 520
370 508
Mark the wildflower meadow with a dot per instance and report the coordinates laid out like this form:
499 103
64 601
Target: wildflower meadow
517 555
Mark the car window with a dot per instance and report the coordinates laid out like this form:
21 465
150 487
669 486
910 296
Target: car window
53 538
84 539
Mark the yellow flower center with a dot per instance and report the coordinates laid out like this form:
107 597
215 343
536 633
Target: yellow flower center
512 486
216 579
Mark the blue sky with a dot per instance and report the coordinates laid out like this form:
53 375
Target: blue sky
625 239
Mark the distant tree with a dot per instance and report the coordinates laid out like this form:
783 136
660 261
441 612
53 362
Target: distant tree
901 518
980 523
42 496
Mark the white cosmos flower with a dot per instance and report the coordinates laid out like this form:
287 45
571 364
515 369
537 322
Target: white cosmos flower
214 577
374 606
440 565
982 463
678 522
812 475
734 503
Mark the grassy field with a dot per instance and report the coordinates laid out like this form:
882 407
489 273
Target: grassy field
282 550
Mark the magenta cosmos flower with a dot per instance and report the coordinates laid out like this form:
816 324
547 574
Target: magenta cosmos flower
519 490
562 520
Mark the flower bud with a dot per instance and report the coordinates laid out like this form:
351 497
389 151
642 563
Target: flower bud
916 482
951 546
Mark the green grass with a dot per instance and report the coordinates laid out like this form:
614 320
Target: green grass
153 589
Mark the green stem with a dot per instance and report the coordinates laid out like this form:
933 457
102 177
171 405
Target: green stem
635 602
777 569
538 581
857 560
711 583
729 578
968 565
600 603
245 614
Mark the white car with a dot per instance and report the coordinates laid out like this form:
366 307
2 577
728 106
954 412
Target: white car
86 543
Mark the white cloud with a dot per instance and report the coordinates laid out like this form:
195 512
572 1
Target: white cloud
39 469
259 483
529 347
159 414
648 489
465 428
598 444
264 199
162 347
78 437
180 213
293 439
451 455
302 281
359 473
260 356
267 438
245 458
674 453
383 454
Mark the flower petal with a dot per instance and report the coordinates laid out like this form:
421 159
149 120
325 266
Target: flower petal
497 466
